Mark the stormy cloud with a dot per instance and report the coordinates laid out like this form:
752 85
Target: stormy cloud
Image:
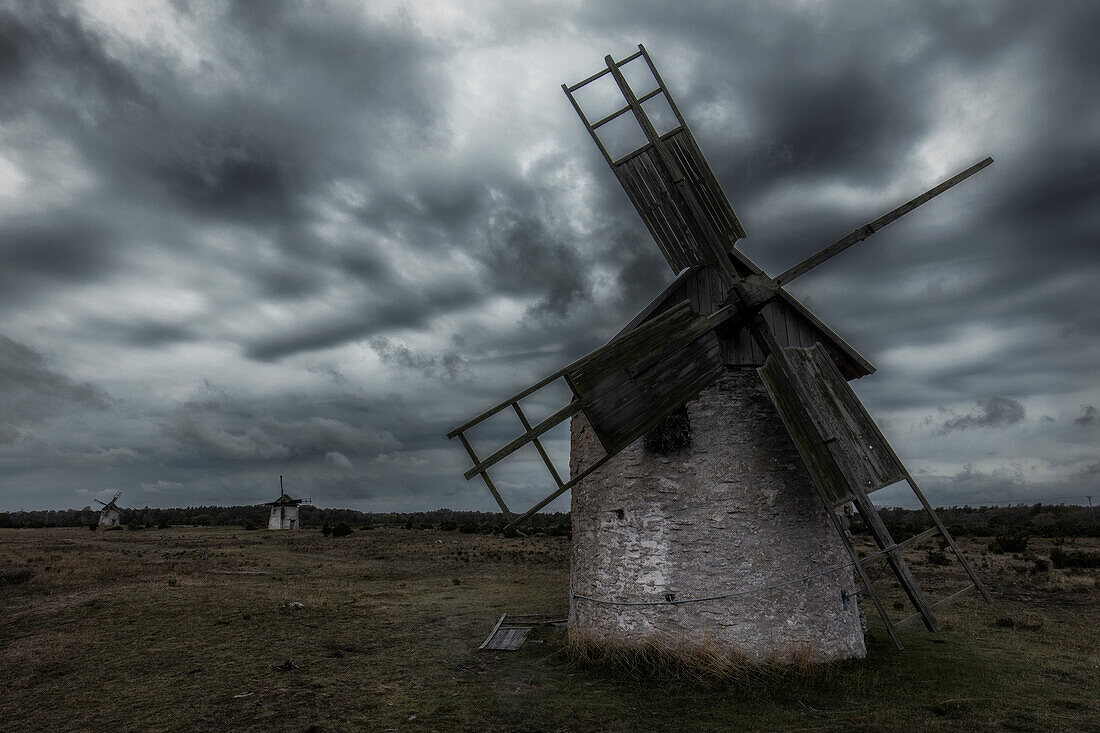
993 412
238 241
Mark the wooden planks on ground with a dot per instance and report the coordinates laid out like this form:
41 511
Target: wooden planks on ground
505 638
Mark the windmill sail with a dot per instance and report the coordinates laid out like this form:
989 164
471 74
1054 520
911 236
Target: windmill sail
837 439
667 179
848 457
624 388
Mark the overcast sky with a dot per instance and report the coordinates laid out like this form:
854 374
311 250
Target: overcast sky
239 240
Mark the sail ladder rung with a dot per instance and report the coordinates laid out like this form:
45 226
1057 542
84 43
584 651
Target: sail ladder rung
953 598
915 539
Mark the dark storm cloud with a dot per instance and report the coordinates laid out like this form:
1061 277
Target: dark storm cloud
404 311
271 438
335 215
448 363
994 412
50 253
32 390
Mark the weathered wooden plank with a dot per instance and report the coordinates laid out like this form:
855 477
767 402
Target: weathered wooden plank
663 334
672 221
505 638
508 639
803 432
842 416
624 406
494 631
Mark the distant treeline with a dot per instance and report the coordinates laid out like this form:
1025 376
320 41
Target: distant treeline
255 517
1038 520
1035 520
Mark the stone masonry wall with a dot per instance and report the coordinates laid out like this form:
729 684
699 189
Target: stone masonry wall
736 510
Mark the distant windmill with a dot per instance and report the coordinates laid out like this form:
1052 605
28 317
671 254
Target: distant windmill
110 515
716 447
284 510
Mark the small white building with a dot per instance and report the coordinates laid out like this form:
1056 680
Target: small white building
284 510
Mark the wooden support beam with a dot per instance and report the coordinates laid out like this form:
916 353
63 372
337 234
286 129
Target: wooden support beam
914 540
538 445
881 534
561 490
868 229
970 571
558 417
485 475
953 598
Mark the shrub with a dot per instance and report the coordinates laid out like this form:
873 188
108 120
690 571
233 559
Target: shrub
937 557
1009 542
93 527
1062 559
326 529
15 575
1041 565
343 529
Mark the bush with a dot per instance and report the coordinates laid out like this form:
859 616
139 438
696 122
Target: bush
326 529
1009 542
1062 559
937 557
343 529
1041 565
93 527
15 576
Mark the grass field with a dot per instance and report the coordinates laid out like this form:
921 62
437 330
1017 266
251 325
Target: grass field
183 628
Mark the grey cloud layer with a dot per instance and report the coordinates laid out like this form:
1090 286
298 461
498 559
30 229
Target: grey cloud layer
247 241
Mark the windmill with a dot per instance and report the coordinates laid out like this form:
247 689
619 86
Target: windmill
738 534
110 514
284 510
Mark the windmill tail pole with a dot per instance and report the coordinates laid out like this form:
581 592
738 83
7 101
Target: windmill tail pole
868 229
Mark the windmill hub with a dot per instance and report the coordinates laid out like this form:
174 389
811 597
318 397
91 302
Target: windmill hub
737 539
757 290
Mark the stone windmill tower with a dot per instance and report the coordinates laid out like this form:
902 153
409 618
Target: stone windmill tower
715 442
110 515
284 510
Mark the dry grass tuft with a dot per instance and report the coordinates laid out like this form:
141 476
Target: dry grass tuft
707 666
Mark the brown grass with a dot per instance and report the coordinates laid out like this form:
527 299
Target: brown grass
183 629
